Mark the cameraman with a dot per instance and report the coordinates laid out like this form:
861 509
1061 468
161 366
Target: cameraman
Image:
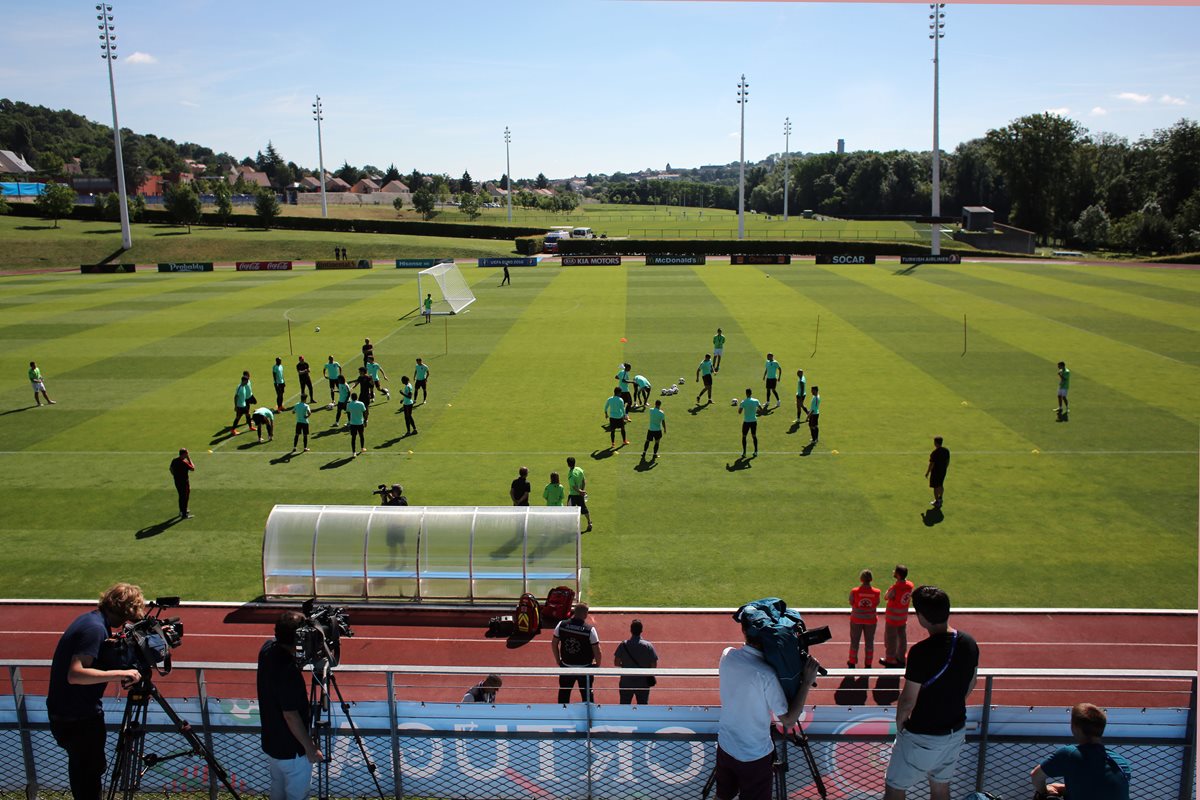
393 496
73 701
284 713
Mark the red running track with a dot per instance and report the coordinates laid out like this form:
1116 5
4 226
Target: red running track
425 637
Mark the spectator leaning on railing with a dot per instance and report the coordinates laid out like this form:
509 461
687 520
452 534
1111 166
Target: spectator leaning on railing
1088 768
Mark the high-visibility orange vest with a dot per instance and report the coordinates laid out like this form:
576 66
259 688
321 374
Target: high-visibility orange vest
864 602
898 597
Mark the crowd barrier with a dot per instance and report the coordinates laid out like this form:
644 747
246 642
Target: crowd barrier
664 750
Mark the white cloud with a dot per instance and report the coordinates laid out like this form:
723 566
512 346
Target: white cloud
139 57
1168 100
1099 111
190 104
1134 97
1059 112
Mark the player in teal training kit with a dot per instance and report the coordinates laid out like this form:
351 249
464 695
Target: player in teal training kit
302 411
407 393
718 350
374 371
356 414
658 426
801 392
1064 385
333 371
614 411
705 372
420 381
771 373
749 408
277 379
343 399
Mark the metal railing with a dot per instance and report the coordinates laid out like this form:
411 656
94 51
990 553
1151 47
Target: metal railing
427 745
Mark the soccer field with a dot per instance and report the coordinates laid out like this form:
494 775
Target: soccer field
1097 511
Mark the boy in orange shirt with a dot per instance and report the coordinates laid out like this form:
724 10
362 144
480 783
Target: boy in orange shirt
864 605
895 619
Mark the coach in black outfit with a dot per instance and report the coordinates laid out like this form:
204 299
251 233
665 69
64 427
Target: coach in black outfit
576 644
285 713
181 469
77 684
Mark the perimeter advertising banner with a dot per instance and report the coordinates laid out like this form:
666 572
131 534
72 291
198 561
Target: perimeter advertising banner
263 266
361 263
106 269
653 260
948 258
186 266
591 261
755 258
421 263
507 262
846 259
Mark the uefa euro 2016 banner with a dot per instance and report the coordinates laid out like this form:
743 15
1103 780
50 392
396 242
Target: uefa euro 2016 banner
591 261
261 266
755 258
507 262
362 263
186 266
656 260
421 263
948 258
846 259
106 269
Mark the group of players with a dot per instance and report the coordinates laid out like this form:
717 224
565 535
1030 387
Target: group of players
622 401
353 397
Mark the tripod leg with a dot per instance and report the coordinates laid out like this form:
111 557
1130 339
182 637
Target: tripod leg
802 740
362 747
130 744
198 747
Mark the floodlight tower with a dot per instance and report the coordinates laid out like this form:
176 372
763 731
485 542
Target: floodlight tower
318 115
508 170
935 26
743 98
108 51
787 140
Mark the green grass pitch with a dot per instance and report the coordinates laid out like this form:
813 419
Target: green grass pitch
1097 511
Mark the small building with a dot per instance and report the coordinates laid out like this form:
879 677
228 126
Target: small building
13 164
336 185
309 183
978 218
365 186
151 186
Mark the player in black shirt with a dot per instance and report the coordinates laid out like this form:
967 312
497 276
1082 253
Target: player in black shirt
519 491
939 462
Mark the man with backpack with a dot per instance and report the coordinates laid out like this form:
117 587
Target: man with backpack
576 644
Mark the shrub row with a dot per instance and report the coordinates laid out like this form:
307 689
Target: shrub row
394 226
710 247
529 245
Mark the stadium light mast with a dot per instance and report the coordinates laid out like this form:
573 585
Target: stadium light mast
108 51
787 141
318 115
935 26
508 170
743 98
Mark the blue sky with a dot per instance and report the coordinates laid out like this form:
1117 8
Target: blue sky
596 85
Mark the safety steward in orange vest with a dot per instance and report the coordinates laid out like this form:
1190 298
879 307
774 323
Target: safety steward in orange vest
895 616
864 603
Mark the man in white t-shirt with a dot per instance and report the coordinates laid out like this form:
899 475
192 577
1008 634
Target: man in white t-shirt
750 697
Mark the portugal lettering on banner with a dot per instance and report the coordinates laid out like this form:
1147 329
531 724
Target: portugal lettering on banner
262 266
361 263
755 258
655 260
591 261
186 266
106 269
947 258
846 259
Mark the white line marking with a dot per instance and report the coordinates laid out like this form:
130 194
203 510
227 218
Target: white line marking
664 455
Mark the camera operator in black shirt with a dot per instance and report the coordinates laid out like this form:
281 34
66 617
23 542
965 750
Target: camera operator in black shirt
393 496
77 684
285 714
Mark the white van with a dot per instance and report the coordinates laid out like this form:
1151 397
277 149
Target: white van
582 233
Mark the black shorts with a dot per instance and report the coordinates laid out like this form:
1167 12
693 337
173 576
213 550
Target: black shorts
578 500
260 419
707 379
333 384
653 436
616 422
749 426
937 478
341 406
301 427
627 398
241 409
419 385
771 383
377 386
356 429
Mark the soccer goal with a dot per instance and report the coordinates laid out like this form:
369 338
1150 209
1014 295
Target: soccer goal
446 287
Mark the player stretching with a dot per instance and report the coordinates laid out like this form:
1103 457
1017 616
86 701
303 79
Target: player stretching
749 408
658 426
718 350
771 373
623 380
705 372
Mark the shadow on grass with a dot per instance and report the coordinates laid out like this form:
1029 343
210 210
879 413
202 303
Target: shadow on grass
906 270
158 527
696 409
327 432
35 227
394 440
794 427
932 517
174 233
644 465
252 443
101 233
285 458
807 449
1061 416
887 690
16 410
338 462
600 455
222 436
738 465
852 691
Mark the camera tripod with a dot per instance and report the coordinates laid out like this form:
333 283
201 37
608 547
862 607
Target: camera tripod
780 765
323 682
131 762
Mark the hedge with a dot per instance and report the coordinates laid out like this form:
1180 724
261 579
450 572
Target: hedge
394 226
709 247
529 245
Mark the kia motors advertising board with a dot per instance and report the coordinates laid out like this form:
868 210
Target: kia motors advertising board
591 261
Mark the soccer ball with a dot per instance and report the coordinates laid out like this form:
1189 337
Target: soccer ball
681 380
318 329
733 402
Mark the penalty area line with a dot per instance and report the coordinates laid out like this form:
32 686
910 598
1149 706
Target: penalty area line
663 455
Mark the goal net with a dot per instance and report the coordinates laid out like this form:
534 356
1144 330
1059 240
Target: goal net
446 287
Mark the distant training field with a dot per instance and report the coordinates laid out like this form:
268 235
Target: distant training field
1099 510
